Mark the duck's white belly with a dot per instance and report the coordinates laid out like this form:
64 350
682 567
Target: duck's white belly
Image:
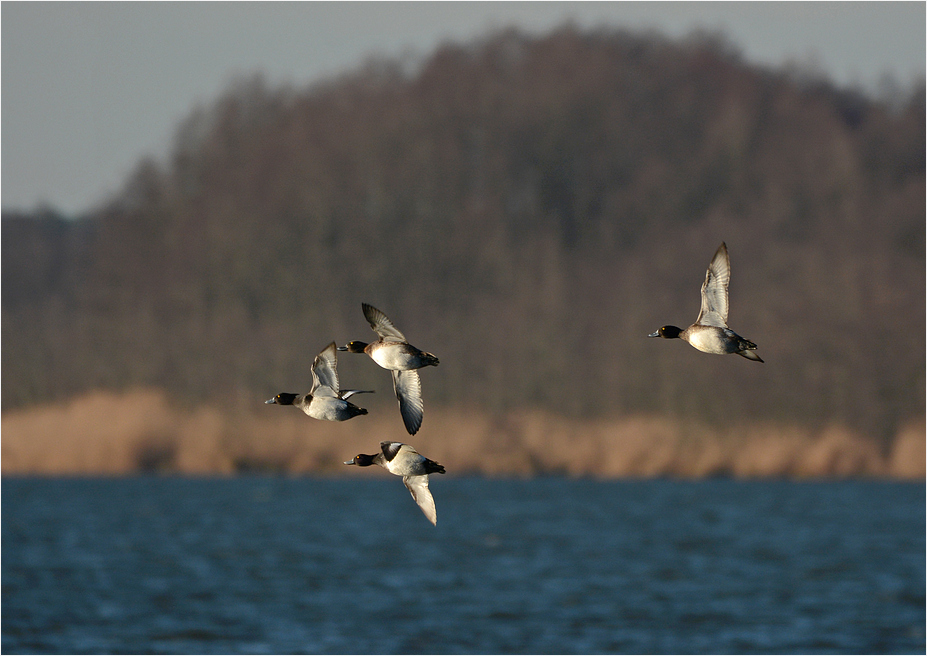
328 409
393 358
709 341
407 466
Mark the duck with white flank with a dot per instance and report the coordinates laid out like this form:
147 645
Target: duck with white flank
393 351
324 400
403 460
710 333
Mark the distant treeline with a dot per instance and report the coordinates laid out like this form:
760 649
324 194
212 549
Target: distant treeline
526 208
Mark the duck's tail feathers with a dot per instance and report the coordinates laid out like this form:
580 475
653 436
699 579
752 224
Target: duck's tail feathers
431 467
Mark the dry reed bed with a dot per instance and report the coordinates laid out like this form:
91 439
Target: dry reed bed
114 434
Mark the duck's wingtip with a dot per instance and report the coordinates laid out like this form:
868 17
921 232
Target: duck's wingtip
412 420
751 355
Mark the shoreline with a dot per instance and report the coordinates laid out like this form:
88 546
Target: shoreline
139 432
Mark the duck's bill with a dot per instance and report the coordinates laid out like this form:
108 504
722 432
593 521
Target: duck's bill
273 400
341 348
655 333
349 462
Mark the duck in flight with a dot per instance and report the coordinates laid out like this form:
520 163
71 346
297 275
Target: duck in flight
392 351
710 333
403 460
324 400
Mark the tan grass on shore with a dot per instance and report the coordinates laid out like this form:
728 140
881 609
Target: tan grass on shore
105 433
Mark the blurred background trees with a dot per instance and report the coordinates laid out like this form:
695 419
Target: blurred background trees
526 208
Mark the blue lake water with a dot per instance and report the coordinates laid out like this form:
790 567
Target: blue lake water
548 565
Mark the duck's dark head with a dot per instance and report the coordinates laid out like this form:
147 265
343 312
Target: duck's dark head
353 347
361 460
669 332
283 398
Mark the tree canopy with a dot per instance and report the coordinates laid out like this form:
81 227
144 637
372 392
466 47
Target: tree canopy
528 209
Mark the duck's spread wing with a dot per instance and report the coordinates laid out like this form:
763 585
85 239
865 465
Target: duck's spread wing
325 372
418 486
381 325
390 449
408 388
346 394
714 290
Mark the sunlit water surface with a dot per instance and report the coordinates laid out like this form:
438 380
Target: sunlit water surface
550 565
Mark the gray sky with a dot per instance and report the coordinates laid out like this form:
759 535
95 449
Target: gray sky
90 88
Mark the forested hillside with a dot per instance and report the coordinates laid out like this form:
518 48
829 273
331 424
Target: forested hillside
528 209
